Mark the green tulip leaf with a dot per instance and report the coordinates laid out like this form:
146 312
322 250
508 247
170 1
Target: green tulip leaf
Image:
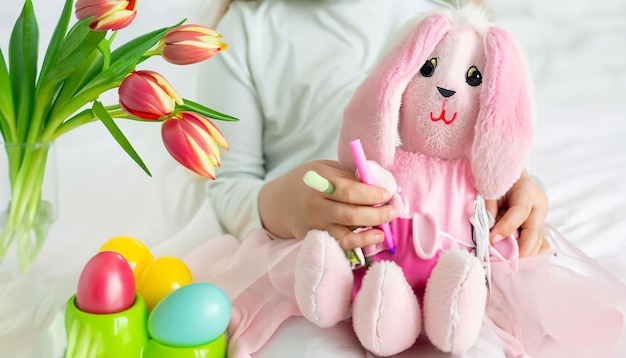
7 125
23 47
208 112
56 40
109 123
104 47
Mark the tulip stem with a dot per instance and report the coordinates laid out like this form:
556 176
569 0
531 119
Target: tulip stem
22 216
155 52
76 121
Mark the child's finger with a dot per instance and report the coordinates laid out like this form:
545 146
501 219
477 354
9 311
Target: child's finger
512 219
531 237
353 192
530 242
349 240
544 244
361 215
346 190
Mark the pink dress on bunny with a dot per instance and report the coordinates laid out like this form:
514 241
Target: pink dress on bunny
426 209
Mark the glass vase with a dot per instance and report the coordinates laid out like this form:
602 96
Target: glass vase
28 199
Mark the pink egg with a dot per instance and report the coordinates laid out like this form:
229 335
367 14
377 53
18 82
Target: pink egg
106 285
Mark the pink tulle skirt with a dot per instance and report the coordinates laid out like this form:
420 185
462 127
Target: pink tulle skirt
560 303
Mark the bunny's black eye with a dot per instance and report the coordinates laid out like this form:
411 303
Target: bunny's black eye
473 77
428 68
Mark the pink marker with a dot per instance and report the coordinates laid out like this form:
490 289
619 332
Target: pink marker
368 178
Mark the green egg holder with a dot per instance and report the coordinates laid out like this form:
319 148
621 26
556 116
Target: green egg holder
125 334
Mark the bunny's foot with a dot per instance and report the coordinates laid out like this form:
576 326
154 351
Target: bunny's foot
454 301
386 315
323 280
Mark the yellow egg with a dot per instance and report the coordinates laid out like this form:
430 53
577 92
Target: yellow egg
133 250
162 276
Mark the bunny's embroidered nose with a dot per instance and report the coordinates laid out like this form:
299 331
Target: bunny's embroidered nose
445 92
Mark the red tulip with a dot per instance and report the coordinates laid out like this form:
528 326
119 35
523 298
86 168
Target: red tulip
189 44
193 140
148 95
107 14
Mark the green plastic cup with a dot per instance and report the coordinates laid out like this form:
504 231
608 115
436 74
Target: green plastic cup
214 349
121 334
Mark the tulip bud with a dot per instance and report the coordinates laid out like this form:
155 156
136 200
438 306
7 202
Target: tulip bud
192 139
107 14
189 44
148 95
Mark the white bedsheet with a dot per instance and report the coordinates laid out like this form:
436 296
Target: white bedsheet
576 50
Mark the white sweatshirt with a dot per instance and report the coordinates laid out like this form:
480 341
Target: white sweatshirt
289 70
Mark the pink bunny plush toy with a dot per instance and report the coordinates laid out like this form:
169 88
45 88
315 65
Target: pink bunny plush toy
448 113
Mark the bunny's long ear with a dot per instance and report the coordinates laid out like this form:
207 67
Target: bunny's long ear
372 114
504 126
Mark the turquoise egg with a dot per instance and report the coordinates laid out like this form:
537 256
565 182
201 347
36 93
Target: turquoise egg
190 316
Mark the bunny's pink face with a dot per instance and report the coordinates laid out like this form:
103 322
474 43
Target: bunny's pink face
440 104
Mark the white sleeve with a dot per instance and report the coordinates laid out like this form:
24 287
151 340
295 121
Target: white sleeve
226 86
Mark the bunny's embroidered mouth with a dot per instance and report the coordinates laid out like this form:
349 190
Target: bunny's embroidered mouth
442 115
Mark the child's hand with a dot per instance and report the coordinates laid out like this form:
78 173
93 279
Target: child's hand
525 207
289 208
